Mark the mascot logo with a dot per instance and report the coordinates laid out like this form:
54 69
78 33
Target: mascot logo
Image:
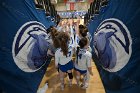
112 44
25 48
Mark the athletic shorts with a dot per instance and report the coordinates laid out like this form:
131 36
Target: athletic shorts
66 67
81 71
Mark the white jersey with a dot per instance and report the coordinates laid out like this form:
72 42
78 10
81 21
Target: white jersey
62 59
77 39
72 43
84 59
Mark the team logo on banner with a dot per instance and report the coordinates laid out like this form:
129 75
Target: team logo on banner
25 48
112 44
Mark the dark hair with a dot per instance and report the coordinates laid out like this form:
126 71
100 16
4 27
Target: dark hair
49 29
63 40
53 32
81 26
77 51
82 44
83 30
55 40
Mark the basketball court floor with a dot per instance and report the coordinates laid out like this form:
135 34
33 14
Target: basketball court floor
52 78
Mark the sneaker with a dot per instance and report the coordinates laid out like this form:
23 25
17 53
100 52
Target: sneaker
78 84
62 86
84 86
70 83
43 89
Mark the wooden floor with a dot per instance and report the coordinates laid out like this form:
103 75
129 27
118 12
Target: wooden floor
51 76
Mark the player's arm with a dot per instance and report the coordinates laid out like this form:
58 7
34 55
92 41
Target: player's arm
89 59
56 59
77 26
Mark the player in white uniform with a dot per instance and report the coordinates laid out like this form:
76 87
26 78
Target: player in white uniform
82 31
83 63
63 57
71 33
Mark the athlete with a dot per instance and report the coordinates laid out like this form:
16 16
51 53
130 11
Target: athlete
63 58
83 62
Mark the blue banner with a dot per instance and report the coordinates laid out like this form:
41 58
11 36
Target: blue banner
116 45
22 60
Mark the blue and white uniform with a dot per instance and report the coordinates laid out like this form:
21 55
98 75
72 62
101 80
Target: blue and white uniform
84 61
71 43
77 39
64 63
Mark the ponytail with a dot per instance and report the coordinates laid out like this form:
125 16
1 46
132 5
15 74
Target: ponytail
64 46
63 39
54 33
82 43
77 52
56 42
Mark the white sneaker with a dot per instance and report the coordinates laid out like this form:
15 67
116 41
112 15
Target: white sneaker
78 84
84 86
70 83
62 86
43 89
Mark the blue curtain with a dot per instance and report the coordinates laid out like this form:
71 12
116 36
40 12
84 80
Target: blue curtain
14 14
117 12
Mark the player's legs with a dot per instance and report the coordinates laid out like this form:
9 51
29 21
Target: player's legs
78 77
61 79
70 77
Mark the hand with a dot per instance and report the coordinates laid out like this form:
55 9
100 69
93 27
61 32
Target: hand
70 22
78 21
